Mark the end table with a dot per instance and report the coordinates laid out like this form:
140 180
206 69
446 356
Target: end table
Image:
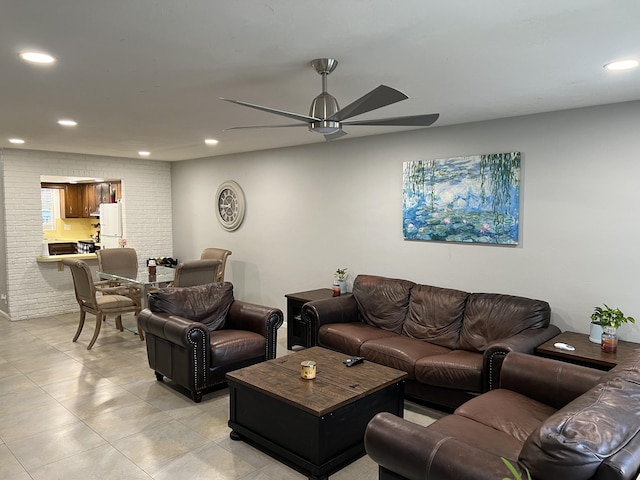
586 353
297 328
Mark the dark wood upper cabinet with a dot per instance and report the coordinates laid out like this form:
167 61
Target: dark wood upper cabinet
82 200
73 201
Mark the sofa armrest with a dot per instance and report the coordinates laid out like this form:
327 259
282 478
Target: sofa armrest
174 329
415 452
262 320
552 382
340 309
524 342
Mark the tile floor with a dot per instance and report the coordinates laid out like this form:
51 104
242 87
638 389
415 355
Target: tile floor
71 413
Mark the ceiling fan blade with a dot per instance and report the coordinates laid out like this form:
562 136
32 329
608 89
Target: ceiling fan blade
335 136
266 126
295 116
376 98
411 121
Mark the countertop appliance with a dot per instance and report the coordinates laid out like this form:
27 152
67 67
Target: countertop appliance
110 224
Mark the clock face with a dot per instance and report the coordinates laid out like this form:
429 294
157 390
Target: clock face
230 205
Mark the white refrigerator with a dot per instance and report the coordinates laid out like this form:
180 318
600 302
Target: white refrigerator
110 224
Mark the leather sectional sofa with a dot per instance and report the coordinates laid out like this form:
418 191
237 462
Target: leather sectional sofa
451 343
549 419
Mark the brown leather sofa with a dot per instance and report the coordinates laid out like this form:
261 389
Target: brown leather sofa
551 419
195 335
451 343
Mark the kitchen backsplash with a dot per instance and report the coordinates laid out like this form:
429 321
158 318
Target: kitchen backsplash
72 229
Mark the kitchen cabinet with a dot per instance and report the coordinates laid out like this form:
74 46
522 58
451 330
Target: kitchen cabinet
90 205
73 200
102 192
106 192
117 186
82 200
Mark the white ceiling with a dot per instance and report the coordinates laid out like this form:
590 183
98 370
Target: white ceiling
147 74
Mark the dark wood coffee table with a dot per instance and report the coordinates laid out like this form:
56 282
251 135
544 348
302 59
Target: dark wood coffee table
315 426
586 353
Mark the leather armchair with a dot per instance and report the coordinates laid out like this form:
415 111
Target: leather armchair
198 354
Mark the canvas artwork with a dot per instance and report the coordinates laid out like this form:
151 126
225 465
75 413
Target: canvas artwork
473 199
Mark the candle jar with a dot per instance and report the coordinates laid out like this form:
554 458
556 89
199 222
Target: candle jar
609 342
308 369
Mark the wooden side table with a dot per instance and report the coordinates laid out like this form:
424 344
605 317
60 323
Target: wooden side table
586 353
297 328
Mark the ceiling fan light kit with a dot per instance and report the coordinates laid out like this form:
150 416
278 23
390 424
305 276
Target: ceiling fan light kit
327 118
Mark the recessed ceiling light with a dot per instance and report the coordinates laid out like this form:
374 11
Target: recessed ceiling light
144 153
17 141
622 64
37 57
67 123
210 141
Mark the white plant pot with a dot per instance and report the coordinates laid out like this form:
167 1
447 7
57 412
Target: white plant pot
595 334
343 286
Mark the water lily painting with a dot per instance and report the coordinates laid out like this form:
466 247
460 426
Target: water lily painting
473 199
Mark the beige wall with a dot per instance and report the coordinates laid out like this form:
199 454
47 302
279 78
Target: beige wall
39 289
314 208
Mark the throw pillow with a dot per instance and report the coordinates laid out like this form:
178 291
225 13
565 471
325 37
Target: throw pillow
207 304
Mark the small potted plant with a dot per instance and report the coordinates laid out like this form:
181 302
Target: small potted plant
514 472
341 278
610 319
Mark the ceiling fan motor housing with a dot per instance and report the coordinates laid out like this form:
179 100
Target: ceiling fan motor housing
323 107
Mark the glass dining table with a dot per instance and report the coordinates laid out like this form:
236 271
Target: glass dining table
143 278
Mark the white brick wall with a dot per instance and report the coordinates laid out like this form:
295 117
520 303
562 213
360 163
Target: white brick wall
39 289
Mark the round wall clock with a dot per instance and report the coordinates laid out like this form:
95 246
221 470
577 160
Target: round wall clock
230 205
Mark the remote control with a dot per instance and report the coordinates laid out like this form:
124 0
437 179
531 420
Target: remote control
353 361
564 346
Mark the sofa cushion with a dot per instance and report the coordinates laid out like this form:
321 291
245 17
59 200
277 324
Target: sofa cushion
456 369
435 315
488 439
382 302
399 352
507 411
208 304
348 337
489 317
233 346
594 427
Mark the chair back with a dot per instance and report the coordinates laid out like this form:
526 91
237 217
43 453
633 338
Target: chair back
196 272
118 261
217 254
82 283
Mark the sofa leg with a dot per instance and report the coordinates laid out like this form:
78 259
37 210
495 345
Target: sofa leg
159 377
196 396
235 435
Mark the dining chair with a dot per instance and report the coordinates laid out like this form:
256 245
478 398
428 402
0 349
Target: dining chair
99 305
217 254
119 261
196 272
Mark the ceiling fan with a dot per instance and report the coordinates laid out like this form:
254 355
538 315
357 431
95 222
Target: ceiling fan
327 118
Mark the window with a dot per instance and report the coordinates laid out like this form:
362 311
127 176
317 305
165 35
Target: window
50 198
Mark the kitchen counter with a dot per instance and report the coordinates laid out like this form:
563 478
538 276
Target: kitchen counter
59 258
